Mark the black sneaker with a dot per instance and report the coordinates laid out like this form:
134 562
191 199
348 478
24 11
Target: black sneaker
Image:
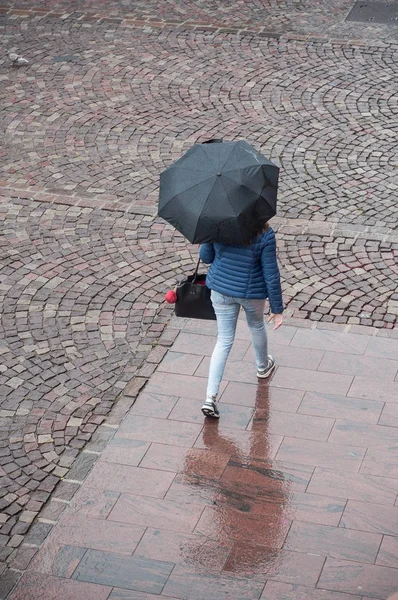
264 373
209 409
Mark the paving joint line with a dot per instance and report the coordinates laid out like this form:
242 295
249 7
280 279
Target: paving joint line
284 225
77 201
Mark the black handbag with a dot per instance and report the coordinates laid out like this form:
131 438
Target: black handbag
193 297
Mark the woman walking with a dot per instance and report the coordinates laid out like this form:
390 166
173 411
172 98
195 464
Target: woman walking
242 276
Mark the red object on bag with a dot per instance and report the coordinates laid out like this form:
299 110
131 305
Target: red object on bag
171 297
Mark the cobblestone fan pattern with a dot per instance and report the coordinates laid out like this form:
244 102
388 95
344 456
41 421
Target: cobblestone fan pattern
101 119
341 279
305 17
80 297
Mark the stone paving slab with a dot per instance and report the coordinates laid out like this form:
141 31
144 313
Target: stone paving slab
218 516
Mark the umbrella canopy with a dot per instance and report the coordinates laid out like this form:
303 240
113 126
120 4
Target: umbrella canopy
219 192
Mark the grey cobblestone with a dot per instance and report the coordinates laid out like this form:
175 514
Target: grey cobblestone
303 18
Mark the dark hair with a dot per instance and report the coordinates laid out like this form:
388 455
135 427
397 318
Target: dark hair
261 229
213 141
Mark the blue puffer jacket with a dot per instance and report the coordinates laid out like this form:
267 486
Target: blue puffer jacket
245 271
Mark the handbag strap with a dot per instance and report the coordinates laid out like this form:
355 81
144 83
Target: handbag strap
195 273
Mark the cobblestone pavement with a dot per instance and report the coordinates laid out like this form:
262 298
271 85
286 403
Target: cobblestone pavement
101 119
109 99
304 17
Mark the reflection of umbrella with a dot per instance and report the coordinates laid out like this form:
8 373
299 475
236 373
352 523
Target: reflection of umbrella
219 192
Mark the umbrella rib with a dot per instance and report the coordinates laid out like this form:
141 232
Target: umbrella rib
184 191
227 159
250 190
244 185
226 191
188 168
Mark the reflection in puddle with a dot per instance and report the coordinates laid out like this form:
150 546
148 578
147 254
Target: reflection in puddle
242 528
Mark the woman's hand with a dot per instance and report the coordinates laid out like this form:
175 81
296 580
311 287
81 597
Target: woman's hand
276 318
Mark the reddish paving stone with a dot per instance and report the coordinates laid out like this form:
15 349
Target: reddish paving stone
125 452
184 549
179 385
381 368
162 431
273 398
321 454
226 523
354 432
332 341
38 585
331 541
266 477
129 572
280 337
285 591
366 387
311 381
119 594
233 370
234 416
381 462
158 513
314 509
383 348
93 502
204 345
179 362
365 516
389 415
235 442
340 407
154 405
366 488
97 534
294 424
187 584
289 356
241 394
192 490
388 552
123 478
264 563
178 459
352 577
56 559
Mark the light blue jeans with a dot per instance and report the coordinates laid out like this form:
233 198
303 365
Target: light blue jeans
227 312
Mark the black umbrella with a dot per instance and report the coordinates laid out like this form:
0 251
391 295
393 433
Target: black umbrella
221 192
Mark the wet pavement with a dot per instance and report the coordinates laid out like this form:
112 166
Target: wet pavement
111 96
291 495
